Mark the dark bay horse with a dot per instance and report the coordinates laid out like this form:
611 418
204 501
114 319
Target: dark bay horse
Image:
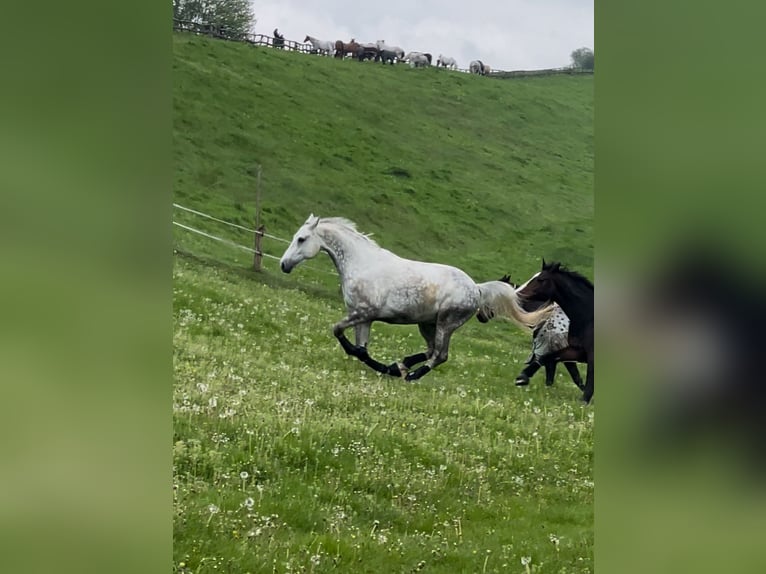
550 342
574 293
342 48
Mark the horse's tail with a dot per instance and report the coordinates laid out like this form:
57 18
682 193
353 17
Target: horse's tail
498 298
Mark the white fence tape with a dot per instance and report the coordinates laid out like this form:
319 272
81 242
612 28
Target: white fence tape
233 244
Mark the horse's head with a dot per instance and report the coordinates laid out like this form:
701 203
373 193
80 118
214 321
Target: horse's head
541 286
305 245
307 38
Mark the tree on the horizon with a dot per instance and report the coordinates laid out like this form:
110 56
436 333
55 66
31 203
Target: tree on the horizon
583 59
234 16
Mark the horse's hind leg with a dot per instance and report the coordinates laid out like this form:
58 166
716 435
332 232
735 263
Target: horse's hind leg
428 332
444 329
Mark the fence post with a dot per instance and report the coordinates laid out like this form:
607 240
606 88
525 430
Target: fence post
258 255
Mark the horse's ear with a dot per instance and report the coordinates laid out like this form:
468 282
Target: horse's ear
506 279
544 264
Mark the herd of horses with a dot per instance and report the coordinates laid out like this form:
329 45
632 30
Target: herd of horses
378 285
382 52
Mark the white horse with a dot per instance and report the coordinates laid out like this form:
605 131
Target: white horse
378 285
325 47
417 59
381 45
446 62
479 67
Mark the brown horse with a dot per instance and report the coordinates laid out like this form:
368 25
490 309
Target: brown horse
342 49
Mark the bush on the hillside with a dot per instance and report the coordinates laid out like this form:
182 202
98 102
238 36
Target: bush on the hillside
229 18
583 59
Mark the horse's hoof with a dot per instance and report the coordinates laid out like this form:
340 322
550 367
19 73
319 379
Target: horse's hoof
522 381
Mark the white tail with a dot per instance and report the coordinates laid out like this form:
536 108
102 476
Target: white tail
499 299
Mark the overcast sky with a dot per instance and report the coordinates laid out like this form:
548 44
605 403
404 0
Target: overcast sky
506 34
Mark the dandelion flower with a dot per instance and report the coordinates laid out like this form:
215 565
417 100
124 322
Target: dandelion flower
243 475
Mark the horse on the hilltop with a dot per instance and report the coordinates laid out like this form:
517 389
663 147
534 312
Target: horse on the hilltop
367 52
387 56
325 47
446 62
479 67
343 49
550 341
378 285
574 293
418 59
381 45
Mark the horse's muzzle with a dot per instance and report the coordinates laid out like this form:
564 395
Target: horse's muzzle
285 267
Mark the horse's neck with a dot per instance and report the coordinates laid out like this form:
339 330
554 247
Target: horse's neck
348 251
576 303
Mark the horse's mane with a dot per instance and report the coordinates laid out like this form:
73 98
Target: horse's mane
347 225
578 278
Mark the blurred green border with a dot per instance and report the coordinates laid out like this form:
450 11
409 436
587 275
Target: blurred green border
85 292
679 158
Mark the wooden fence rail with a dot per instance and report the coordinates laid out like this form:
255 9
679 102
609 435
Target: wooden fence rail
223 33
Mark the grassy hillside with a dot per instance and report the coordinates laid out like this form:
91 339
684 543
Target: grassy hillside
289 456
488 175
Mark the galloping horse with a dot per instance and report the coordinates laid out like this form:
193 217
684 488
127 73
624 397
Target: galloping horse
574 293
446 62
378 285
341 49
325 47
550 342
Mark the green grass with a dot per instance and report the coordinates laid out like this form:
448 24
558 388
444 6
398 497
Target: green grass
348 471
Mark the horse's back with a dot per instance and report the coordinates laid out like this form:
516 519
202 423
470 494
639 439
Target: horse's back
408 291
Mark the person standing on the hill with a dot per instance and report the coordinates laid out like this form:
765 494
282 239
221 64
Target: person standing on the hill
279 39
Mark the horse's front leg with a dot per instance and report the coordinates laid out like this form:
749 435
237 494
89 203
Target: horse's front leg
526 375
587 394
339 328
550 370
575 374
362 331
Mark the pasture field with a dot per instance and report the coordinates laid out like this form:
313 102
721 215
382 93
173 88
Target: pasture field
289 456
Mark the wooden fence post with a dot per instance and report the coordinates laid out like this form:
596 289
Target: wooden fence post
258 255
259 229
